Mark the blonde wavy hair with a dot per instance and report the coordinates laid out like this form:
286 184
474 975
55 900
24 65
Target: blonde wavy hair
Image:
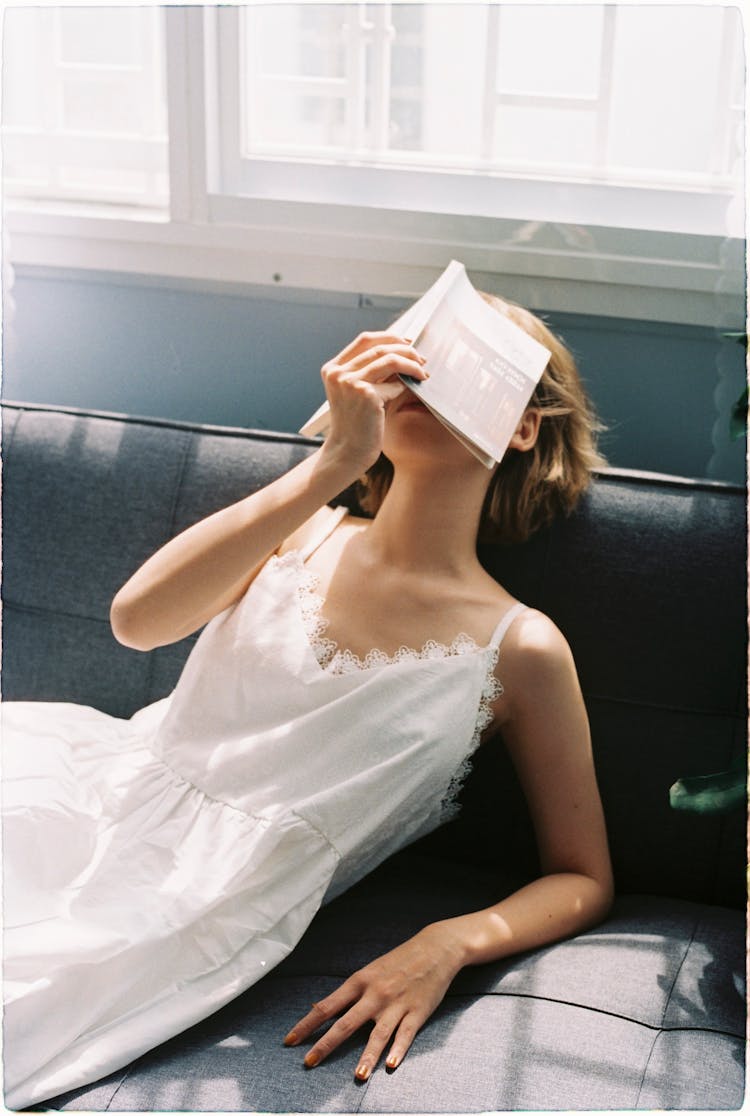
529 488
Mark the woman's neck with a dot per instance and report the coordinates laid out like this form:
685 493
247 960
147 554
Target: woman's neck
429 520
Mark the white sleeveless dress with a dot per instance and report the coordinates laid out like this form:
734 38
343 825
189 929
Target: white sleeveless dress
156 867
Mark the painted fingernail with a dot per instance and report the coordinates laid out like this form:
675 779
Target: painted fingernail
362 1072
391 1061
312 1059
291 1039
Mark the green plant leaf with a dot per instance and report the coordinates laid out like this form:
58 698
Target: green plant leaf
738 418
719 793
740 338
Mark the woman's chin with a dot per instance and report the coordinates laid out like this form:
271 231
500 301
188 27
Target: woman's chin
419 440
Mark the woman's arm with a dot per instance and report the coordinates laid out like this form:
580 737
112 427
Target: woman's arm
206 568
547 734
546 730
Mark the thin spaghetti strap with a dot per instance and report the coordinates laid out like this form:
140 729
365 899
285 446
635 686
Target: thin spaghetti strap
321 535
505 622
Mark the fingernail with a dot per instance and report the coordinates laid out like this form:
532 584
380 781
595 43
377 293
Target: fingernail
291 1039
312 1059
391 1061
362 1072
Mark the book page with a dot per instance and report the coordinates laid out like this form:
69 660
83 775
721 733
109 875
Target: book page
409 325
483 368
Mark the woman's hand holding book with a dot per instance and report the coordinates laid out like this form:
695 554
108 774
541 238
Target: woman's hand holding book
359 383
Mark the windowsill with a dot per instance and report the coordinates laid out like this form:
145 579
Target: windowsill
687 206
298 248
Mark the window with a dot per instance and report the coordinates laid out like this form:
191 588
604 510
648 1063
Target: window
322 101
84 107
357 147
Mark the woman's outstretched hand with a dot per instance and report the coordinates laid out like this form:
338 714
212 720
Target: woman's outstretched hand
398 992
359 382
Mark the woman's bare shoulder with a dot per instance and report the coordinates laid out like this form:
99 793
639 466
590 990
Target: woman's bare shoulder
316 526
535 652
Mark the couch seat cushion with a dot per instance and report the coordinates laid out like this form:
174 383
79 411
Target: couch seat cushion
644 1011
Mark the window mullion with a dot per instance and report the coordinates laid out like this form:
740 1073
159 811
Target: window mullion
724 117
604 98
356 76
51 37
146 93
186 117
384 32
230 123
489 93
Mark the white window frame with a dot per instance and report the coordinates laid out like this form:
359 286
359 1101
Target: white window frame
78 149
540 251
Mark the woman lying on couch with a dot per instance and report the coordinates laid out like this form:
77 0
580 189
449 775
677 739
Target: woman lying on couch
158 866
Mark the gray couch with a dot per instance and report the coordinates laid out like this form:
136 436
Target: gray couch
647 582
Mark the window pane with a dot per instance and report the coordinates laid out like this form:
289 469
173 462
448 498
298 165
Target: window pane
299 120
405 131
666 73
544 139
96 102
84 104
301 40
21 61
448 79
100 36
474 86
549 50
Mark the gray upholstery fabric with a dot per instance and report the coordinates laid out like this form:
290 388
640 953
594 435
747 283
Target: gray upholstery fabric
587 1023
647 581
697 1070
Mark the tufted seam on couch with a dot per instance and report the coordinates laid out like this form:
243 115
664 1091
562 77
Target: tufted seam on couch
646 1065
635 703
117 1088
40 610
679 969
658 1028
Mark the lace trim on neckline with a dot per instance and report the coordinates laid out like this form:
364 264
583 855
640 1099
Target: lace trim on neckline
332 660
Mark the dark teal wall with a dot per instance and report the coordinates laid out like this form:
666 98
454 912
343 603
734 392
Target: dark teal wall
253 360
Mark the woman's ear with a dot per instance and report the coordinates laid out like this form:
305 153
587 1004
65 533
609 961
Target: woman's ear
527 431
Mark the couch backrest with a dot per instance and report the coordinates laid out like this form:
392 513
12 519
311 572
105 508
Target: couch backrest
646 580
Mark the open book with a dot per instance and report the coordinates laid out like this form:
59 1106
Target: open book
483 368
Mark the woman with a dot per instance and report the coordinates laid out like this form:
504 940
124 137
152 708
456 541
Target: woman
159 866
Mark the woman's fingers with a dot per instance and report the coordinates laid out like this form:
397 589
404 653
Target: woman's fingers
322 1011
367 341
398 992
405 1027
405 1036
376 1044
359 382
341 1030
379 356
378 365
